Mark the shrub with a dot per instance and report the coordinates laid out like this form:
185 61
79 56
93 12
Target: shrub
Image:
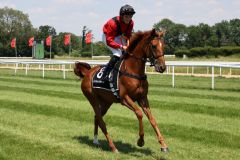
199 51
181 52
227 51
47 54
86 54
208 51
215 52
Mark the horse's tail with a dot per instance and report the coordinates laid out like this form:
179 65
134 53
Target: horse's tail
81 69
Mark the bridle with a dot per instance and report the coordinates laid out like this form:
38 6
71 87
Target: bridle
147 47
153 57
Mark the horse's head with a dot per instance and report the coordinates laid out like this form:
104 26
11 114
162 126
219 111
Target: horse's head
148 45
154 50
81 68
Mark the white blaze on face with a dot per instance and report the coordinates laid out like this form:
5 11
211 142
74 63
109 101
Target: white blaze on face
160 43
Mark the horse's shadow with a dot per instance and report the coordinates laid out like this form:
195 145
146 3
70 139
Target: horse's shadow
124 148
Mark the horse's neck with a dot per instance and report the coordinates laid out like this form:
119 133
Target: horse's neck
134 64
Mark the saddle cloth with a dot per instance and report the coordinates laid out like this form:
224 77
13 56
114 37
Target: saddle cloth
112 83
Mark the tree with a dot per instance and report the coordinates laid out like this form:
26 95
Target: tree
205 34
14 23
43 33
164 24
235 31
83 36
222 32
175 34
193 37
101 49
75 42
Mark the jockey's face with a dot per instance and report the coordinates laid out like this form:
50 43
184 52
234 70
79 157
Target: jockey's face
127 18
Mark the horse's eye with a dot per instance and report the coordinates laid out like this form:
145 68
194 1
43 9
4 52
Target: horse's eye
154 47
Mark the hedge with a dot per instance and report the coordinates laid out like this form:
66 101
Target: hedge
208 51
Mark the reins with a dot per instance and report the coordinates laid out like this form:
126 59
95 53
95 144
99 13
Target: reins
137 58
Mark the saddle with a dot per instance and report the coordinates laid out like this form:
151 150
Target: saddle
112 83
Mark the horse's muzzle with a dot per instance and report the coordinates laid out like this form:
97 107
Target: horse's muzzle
160 68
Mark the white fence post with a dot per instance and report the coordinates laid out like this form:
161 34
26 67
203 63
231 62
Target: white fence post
173 80
212 77
43 73
16 67
26 72
64 74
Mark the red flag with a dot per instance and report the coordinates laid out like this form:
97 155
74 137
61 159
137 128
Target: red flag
49 41
30 41
88 39
13 43
67 39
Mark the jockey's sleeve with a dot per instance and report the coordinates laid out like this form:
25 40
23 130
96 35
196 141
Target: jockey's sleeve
110 31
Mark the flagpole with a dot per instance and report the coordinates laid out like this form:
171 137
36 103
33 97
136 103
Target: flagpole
16 51
51 48
51 51
16 47
31 44
69 46
92 49
32 51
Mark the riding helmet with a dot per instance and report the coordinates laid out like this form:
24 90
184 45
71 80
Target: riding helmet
127 10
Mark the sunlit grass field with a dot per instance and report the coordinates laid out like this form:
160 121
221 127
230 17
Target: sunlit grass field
50 119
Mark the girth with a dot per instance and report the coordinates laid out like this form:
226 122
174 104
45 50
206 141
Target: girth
135 76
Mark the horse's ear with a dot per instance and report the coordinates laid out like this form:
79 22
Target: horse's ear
153 33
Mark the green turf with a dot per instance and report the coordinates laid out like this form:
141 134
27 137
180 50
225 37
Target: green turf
50 119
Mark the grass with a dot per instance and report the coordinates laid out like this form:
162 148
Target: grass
51 119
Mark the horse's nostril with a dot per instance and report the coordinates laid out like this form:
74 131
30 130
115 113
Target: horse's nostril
163 68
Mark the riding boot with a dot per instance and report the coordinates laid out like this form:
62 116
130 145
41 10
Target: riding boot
109 67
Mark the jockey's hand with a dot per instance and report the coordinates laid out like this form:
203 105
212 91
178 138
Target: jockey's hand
124 48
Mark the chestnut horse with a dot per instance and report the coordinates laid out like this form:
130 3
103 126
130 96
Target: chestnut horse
133 85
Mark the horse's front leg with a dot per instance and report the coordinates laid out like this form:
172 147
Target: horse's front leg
127 101
146 109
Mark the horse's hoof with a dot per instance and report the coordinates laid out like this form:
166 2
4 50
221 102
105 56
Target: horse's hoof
140 143
115 151
95 142
165 150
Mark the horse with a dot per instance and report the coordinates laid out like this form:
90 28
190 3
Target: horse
144 46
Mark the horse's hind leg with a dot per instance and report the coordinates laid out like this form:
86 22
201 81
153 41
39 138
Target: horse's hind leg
94 101
104 108
145 106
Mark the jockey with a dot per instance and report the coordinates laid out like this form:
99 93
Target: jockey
116 34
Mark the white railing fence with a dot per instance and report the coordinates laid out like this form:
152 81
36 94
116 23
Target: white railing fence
26 63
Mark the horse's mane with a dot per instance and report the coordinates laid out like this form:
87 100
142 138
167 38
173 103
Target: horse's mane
136 38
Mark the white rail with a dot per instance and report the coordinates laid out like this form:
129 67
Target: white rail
170 65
